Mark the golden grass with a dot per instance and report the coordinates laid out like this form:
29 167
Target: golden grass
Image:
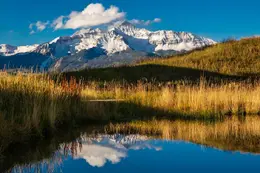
26 96
36 103
34 93
229 98
33 102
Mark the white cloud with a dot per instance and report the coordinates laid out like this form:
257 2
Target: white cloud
145 22
38 26
157 20
58 23
92 15
41 25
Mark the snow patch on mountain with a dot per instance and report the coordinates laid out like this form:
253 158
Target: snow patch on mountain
8 50
178 41
130 30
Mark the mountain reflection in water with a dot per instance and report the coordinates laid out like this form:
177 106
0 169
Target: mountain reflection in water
98 150
95 150
231 145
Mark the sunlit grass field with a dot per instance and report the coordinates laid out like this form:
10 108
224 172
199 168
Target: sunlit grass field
36 103
230 58
202 99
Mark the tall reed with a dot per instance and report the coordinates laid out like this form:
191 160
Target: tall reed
34 103
204 99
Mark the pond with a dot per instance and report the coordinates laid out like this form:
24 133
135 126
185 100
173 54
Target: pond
183 149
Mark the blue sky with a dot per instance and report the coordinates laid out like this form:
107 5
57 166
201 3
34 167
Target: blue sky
217 19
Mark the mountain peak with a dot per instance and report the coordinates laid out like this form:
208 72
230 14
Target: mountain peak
127 28
126 23
83 32
122 24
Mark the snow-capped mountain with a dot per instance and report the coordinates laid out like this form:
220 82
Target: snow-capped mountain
8 50
122 43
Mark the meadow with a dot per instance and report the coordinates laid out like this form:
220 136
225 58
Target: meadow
33 104
188 100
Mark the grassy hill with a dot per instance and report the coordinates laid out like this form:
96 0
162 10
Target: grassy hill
240 58
229 60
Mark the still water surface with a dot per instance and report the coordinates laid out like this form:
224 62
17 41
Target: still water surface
157 146
137 153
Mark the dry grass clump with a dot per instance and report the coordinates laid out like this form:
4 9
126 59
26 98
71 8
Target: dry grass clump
34 103
225 99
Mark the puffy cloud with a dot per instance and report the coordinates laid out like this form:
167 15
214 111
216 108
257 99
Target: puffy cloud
145 22
92 15
38 26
